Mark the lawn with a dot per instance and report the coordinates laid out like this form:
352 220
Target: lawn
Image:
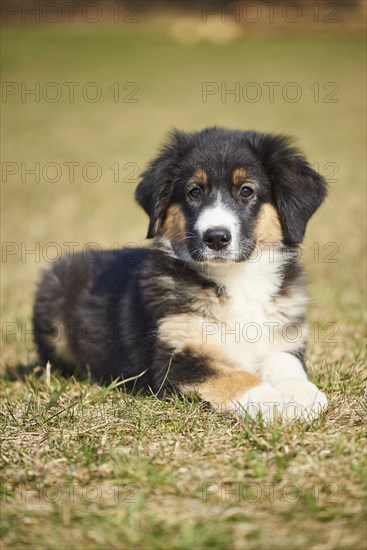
89 467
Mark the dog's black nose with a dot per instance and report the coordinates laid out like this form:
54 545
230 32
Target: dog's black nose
217 238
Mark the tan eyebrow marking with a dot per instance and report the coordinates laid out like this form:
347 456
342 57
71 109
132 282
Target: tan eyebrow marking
202 177
239 176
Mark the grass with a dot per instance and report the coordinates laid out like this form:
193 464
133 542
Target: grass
90 467
85 468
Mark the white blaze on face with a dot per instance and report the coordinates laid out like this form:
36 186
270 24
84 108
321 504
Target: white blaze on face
219 216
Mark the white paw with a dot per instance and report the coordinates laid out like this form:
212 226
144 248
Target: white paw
261 401
302 400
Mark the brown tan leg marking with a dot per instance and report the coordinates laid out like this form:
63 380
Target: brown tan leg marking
62 344
226 386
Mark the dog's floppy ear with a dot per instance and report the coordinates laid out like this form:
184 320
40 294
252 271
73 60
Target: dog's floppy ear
297 189
155 188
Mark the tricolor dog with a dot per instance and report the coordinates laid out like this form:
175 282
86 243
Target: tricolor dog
216 305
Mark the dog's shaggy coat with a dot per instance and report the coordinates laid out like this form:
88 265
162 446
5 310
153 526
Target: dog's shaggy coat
216 305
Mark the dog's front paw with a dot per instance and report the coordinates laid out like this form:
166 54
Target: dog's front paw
260 401
302 400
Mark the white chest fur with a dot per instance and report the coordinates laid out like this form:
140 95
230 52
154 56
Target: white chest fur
250 323
255 321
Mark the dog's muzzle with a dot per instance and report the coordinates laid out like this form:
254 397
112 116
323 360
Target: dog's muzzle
217 238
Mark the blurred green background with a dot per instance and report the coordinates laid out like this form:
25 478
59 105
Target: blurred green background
159 56
162 62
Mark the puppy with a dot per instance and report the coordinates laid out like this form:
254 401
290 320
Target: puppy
216 305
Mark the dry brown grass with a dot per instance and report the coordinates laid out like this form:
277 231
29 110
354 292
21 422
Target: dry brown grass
139 468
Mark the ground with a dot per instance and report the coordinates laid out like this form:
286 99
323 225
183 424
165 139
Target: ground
90 467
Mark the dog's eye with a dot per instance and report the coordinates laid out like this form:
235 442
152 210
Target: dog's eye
245 192
195 193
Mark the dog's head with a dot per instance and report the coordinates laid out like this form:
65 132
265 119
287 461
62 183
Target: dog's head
218 193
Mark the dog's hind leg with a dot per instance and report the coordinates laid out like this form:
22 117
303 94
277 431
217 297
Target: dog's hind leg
54 322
